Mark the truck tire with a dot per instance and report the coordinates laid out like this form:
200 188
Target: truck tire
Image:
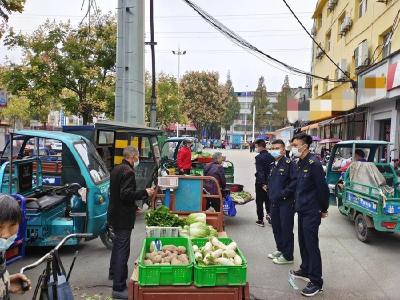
107 238
361 227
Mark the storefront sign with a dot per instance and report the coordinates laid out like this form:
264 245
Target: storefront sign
393 75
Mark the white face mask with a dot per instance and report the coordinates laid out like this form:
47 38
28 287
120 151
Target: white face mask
275 153
296 151
6 243
136 163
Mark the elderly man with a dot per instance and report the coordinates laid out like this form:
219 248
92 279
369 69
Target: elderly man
121 217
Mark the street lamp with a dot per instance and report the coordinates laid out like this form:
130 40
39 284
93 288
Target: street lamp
178 53
269 114
245 118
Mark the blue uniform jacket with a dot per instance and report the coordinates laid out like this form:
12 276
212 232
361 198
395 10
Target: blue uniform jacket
263 167
312 192
282 181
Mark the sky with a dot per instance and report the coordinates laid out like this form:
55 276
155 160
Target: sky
267 24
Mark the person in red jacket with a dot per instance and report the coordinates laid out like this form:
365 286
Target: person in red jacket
185 158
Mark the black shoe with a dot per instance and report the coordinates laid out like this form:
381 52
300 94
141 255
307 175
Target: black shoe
120 294
299 274
268 218
311 290
260 223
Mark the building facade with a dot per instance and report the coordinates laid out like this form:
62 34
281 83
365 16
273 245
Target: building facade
359 36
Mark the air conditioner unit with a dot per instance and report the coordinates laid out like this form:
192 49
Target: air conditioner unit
342 29
332 4
347 23
362 55
319 53
343 66
314 30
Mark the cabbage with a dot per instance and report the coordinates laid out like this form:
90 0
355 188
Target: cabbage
199 230
196 217
213 231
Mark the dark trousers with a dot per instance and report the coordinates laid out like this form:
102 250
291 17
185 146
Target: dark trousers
261 200
119 258
282 220
311 263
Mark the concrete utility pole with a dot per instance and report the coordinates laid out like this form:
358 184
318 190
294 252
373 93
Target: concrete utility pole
153 107
129 93
178 53
245 118
254 121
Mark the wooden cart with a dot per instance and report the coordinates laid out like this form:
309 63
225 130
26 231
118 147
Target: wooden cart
189 196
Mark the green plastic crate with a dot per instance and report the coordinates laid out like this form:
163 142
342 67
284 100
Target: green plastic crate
166 275
219 275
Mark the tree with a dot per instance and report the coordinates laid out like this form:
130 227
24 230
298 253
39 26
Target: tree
71 66
232 106
263 110
203 99
283 96
17 110
6 8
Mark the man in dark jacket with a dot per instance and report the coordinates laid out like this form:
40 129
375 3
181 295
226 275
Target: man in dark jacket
216 170
281 188
312 202
121 217
263 167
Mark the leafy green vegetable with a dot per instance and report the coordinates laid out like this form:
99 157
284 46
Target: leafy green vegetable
195 217
163 218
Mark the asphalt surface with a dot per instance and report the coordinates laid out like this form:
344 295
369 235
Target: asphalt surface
351 269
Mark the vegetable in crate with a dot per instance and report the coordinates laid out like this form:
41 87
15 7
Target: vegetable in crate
163 218
170 255
214 252
195 217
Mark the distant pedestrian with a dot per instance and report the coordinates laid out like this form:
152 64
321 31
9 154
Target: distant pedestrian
281 189
184 159
263 167
251 146
311 204
121 217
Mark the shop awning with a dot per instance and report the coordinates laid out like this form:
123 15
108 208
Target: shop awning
311 126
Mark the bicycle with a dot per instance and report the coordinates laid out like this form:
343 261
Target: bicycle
53 284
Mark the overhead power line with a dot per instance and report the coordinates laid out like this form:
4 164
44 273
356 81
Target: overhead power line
316 43
245 44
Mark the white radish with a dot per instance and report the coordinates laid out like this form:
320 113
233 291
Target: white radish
217 243
198 257
232 246
224 261
207 247
217 253
229 253
195 248
238 260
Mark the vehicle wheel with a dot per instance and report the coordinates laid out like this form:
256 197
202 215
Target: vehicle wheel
107 238
361 228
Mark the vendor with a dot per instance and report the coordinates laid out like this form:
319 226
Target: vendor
10 218
184 159
216 170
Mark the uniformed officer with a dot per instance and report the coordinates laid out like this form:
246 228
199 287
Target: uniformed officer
281 187
312 202
263 165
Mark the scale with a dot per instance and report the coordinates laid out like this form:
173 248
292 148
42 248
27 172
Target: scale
168 184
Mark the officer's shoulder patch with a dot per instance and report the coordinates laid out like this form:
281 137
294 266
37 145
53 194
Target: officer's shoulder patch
311 161
273 163
288 161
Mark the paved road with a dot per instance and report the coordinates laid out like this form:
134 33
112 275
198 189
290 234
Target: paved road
352 270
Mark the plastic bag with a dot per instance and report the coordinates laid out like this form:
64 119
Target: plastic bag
229 206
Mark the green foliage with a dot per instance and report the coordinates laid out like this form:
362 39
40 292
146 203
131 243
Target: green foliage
71 67
232 106
17 110
204 99
283 96
6 8
263 110
163 218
